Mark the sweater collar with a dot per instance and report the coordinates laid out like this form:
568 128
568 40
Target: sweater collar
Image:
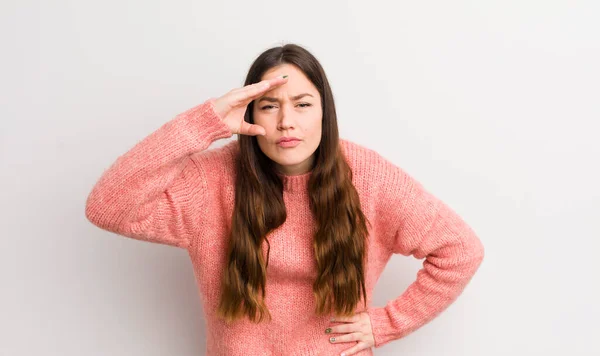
295 183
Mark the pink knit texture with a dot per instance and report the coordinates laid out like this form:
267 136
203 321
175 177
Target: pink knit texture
170 188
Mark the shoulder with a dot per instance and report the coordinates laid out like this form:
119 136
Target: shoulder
357 154
368 164
378 179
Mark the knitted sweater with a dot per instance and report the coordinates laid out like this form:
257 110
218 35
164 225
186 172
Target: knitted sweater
170 188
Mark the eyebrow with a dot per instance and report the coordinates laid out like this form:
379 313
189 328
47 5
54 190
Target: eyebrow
274 100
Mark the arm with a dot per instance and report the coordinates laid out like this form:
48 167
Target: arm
423 226
147 193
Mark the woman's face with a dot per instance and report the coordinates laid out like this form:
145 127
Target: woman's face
290 110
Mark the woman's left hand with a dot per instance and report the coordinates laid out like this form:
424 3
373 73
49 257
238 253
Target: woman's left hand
356 328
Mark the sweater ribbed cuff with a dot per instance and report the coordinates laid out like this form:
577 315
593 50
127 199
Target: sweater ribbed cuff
384 330
207 122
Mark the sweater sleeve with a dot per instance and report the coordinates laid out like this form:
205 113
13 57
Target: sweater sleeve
421 225
149 191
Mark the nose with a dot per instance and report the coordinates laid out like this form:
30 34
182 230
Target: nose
285 118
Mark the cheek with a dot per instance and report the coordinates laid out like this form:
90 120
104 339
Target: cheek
315 126
269 127
264 123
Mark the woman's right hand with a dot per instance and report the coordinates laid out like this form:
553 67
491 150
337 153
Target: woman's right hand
232 106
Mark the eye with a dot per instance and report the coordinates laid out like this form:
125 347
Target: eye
303 105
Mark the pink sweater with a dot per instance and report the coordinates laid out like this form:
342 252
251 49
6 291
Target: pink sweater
171 189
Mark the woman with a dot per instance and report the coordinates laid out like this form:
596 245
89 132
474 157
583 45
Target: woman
288 227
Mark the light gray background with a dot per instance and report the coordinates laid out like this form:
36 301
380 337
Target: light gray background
493 105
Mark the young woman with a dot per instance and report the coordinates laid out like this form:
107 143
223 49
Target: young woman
288 227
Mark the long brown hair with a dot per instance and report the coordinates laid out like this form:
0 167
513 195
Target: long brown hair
340 239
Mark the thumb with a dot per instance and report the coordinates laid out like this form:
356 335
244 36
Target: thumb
252 129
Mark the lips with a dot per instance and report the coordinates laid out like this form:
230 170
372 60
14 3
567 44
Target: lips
289 144
287 139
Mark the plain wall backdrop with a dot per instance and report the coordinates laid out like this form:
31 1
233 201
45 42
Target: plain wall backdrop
492 105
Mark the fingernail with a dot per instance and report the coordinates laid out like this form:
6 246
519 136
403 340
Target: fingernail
285 76
332 319
343 354
332 339
328 330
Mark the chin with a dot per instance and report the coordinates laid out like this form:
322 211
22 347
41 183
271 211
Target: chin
288 162
287 159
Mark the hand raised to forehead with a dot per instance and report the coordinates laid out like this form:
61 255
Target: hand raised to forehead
232 106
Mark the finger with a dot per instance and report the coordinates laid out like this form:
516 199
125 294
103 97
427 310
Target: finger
346 319
252 129
277 81
345 338
246 94
238 95
253 91
354 349
258 85
342 328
